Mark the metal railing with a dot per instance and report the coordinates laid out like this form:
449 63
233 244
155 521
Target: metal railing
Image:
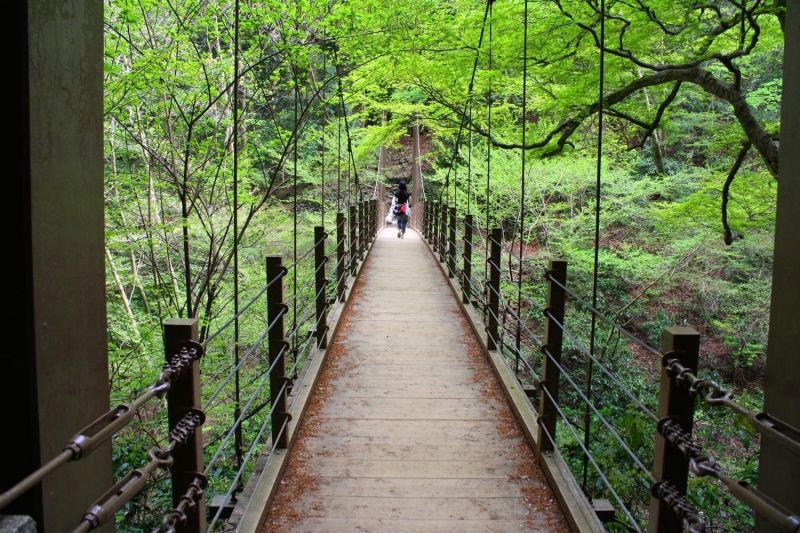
675 454
180 383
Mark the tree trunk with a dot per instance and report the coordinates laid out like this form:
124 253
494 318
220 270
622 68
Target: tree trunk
126 303
655 141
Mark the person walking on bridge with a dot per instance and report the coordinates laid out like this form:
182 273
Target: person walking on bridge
401 207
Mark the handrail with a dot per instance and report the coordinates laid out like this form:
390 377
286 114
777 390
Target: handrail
180 366
107 425
477 293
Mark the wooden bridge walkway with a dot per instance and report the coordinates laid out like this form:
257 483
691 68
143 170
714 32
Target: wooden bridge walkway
408 429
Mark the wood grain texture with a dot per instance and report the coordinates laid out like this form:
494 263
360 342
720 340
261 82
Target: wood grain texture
408 429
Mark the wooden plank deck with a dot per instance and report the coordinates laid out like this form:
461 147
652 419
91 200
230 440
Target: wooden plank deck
408 429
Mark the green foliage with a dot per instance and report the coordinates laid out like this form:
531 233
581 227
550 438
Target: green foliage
169 111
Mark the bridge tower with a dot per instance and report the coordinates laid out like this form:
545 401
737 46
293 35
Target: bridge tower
55 378
779 468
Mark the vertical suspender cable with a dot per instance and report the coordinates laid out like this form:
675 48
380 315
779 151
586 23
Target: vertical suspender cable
469 162
489 136
351 156
455 187
598 182
237 406
467 108
522 180
294 216
349 167
350 160
339 166
324 122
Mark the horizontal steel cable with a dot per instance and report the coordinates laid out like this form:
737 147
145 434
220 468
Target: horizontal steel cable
588 454
246 459
602 367
246 356
243 309
605 319
605 422
83 443
533 336
104 508
244 411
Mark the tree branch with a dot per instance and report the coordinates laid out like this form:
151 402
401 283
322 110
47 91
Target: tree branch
753 129
726 188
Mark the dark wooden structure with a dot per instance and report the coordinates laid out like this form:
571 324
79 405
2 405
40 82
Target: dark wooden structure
55 380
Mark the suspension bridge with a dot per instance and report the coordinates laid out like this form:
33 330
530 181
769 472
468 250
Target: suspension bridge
418 407
406 389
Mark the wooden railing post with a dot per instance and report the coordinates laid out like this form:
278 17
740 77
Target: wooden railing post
362 230
496 236
341 256
451 256
183 396
442 232
321 285
674 402
353 241
466 281
372 219
431 220
426 220
368 222
432 224
553 341
434 229
362 234
277 347
375 218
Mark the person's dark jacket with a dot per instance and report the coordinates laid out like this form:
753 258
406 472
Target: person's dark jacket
402 197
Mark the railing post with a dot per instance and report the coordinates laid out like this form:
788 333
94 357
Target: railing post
434 239
374 218
362 230
371 219
431 222
365 240
429 216
428 221
442 232
494 287
553 341
278 346
425 220
466 279
451 256
341 256
674 402
321 285
183 396
353 241
360 225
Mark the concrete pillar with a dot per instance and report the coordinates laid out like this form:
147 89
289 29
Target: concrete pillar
56 380
779 469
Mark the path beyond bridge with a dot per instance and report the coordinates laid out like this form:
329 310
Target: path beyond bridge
408 429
